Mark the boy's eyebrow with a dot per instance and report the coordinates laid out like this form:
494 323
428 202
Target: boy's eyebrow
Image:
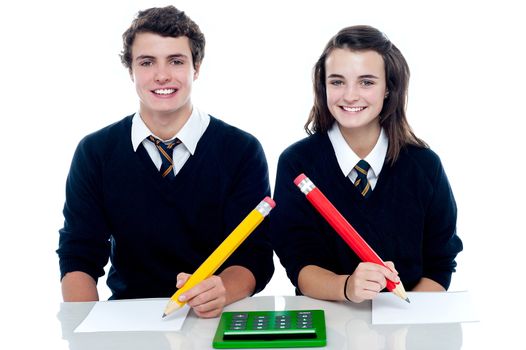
142 57
177 55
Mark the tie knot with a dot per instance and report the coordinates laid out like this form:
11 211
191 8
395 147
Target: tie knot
362 167
166 152
164 145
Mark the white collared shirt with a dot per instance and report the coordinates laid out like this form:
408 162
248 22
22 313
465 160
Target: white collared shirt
347 159
189 135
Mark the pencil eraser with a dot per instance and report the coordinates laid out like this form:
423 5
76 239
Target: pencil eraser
299 179
270 201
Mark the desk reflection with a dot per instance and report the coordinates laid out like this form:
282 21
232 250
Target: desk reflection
363 335
348 327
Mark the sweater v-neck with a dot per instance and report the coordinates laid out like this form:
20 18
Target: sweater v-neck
334 172
171 187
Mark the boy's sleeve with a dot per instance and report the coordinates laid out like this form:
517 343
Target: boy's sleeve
84 240
249 186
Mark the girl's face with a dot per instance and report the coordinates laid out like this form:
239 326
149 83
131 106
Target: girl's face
356 89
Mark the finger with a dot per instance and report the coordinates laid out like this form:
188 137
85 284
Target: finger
196 290
385 271
374 280
207 290
209 314
362 294
391 266
374 286
181 279
204 304
392 274
368 294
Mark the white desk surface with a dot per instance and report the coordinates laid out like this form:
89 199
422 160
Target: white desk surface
348 327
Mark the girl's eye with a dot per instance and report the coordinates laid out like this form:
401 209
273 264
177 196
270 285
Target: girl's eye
336 82
367 82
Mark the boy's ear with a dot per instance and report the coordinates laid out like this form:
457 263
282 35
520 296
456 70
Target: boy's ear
196 71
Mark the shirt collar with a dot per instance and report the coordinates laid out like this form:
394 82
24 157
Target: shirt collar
189 134
346 157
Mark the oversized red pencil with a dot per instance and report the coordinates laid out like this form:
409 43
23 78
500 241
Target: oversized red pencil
344 229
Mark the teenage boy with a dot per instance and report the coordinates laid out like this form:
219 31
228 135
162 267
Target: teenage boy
159 190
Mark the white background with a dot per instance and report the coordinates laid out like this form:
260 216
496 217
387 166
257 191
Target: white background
61 78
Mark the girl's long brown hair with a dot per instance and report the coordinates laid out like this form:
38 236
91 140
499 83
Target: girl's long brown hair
392 116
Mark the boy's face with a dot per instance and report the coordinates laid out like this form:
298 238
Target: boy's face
163 72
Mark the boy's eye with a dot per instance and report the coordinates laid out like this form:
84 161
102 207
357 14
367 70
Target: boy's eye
145 63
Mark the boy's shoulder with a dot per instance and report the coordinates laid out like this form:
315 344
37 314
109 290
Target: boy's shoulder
113 131
224 133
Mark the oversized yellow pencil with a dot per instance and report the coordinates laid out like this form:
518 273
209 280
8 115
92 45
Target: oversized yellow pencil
225 249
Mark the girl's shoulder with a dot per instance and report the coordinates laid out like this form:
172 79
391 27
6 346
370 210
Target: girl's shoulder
422 160
309 146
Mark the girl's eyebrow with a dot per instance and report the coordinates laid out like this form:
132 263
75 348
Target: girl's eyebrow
368 76
335 76
364 76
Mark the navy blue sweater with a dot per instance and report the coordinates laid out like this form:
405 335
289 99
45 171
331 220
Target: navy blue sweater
119 206
409 218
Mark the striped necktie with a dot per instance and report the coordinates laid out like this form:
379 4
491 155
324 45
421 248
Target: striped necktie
361 182
166 152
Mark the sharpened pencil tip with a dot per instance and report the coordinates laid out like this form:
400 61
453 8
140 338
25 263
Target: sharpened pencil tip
407 299
164 315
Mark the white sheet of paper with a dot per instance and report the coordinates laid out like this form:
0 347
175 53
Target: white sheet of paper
132 315
425 308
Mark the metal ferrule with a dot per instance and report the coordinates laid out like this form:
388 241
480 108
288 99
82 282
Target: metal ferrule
264 208
306 186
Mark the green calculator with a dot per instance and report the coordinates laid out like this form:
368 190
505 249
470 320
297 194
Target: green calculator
271 329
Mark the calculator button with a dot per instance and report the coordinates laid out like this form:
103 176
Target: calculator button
305 325
279 317
236 328
240 316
